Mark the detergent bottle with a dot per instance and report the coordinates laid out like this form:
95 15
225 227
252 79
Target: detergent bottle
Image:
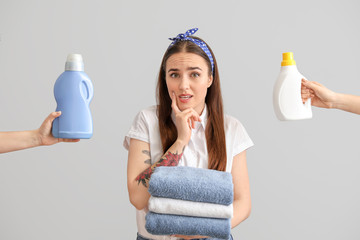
287 99
73 92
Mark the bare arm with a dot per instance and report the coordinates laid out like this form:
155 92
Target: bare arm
138 184
325 98
139 171
137 162
242 200
347 102
13 141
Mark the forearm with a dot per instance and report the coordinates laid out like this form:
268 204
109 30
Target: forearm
242 210
13 141
347 102
170 158
139 194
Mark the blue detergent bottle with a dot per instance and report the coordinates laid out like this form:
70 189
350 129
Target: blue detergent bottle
73 92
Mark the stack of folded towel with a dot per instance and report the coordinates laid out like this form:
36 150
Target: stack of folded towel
190 201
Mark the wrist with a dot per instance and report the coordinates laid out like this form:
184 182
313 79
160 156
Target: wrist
181 143
336 101
36 138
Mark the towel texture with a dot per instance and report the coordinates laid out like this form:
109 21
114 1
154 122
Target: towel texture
192 184
189 208
166 224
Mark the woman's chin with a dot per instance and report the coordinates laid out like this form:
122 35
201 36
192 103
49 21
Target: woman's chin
184 106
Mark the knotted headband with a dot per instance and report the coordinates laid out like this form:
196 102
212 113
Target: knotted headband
201 44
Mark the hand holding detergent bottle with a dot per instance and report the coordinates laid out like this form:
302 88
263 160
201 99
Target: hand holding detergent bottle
73 92
287 99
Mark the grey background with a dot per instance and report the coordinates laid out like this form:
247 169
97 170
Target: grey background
304 175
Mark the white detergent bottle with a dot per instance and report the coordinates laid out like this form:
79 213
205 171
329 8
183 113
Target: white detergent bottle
287 99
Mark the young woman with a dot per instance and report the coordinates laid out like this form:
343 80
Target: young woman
187 128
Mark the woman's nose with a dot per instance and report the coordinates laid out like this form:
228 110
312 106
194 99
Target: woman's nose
184 83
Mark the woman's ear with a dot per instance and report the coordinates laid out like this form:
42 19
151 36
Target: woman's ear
210 81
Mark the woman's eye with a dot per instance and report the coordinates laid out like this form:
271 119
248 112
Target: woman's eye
195 75
174 75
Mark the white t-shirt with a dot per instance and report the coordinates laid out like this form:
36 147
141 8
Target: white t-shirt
145 127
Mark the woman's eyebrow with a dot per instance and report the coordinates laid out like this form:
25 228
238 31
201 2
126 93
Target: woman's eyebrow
189 68
173 69
194 68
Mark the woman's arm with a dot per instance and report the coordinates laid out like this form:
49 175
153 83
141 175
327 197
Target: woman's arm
347 102
139 170
13 141
242 200
325 98
139 162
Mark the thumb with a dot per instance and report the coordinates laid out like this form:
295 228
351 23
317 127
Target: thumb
53 115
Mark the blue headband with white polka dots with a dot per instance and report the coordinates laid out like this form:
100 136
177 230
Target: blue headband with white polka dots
201 44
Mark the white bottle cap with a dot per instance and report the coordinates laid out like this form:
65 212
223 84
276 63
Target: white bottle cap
74 62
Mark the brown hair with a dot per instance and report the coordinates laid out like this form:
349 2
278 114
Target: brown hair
214 132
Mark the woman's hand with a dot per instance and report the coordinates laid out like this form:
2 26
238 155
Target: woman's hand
44 132
185 120
18 140
319 94
189 237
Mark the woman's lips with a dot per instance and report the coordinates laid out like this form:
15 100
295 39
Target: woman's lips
185 98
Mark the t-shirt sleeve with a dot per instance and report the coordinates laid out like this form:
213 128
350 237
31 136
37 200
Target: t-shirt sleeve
138 130
242 141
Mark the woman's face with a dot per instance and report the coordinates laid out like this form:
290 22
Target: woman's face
187 75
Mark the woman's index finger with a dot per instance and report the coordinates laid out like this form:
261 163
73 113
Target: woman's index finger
174 104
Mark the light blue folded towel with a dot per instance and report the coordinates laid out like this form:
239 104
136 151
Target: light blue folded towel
192 184
166 224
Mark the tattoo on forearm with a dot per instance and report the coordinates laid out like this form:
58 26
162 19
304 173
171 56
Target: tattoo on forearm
146 152
170 159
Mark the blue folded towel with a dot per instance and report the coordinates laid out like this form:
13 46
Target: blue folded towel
166 224
192 184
